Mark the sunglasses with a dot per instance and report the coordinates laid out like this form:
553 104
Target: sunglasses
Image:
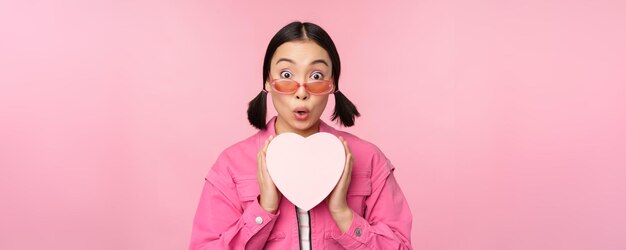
288 86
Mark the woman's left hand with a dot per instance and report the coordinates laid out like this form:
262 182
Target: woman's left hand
337 200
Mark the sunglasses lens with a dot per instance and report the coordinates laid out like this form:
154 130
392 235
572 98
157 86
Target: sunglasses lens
288 86
319 87
285 86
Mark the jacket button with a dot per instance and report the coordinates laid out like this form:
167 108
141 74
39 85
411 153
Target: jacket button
358 232
259 220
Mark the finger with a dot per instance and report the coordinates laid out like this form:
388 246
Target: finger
264 167
267 143
261 160
350 164
345 145
266 174
349 158
259 169
346 171
262 153
264 162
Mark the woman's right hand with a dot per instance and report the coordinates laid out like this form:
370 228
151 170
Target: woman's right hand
270 196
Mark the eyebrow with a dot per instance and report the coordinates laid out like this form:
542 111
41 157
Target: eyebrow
314 62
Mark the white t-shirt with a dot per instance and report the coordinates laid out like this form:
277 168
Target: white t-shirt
304 228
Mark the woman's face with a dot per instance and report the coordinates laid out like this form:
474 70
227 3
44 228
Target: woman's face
302 61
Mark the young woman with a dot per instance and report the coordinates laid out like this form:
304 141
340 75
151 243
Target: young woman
241 208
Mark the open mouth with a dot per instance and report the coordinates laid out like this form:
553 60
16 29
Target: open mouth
301 114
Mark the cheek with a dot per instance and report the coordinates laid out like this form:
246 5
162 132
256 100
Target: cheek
320 103
280 102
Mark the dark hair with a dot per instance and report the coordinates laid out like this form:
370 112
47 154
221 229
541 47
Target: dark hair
344 109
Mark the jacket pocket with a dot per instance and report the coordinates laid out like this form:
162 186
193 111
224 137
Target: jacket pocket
276 240
247 189
276 236
360 188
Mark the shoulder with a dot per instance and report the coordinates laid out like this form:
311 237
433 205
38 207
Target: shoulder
241 148
366 152
236 157
358 144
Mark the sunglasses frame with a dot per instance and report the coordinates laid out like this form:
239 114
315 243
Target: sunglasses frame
306 87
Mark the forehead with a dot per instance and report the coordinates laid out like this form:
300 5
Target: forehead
301 52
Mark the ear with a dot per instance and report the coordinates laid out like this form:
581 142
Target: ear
268 87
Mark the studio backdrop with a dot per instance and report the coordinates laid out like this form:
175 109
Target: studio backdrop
505 120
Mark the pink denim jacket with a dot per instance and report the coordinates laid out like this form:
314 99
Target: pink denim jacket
229 215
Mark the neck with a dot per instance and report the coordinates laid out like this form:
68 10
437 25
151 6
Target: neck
280 127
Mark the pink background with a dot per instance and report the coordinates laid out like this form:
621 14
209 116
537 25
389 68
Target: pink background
505 119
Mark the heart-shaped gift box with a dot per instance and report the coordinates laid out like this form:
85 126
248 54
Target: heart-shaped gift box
305 170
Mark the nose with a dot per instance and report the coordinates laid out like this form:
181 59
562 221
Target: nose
301 93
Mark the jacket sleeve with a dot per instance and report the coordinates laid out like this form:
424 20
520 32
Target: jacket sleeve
221 222
387 222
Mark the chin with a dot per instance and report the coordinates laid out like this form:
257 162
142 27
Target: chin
301 125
